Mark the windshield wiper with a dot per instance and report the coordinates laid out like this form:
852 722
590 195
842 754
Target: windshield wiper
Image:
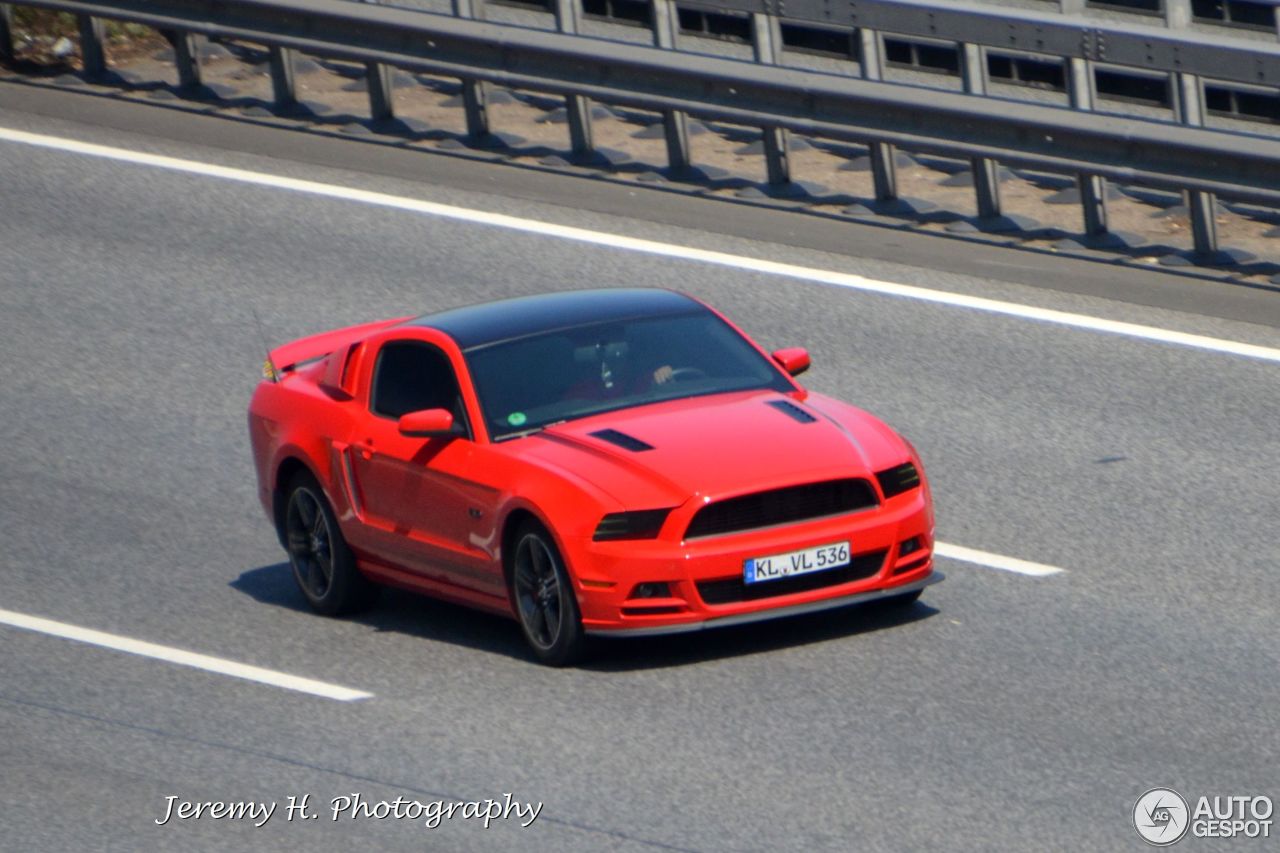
530 431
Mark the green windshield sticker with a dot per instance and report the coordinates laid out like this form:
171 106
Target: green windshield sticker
516 418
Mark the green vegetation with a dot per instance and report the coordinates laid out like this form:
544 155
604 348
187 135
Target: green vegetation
43 22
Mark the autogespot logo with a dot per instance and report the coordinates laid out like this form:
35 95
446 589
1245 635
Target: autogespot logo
1161 816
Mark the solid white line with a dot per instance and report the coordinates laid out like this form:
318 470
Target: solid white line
180 656
994 561
531 226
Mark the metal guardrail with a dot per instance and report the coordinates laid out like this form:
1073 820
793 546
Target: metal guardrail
781 99
1144 46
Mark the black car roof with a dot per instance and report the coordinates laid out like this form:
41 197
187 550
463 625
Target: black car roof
508 319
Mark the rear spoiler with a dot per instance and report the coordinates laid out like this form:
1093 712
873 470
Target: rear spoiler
289 357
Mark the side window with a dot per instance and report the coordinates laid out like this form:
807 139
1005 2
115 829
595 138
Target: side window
410 376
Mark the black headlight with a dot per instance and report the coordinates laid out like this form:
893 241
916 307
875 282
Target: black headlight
895 481
639 524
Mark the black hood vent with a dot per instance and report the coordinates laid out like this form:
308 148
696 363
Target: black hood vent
626 442
792 410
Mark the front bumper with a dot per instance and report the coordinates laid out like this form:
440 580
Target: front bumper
700 581
933 577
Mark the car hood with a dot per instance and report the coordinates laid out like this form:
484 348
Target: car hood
666 453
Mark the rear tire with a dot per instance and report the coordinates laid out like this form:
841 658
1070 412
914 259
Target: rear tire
543 598
322 563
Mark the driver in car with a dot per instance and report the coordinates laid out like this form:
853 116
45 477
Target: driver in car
619 372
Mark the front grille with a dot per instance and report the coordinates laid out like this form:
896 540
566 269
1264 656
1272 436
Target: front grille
794 503
732 590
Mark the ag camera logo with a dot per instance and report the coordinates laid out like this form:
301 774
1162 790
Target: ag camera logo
1161 817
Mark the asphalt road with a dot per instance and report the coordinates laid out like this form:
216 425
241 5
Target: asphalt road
1003 712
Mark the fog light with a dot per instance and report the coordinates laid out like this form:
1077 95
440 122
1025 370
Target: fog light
909 546
651 590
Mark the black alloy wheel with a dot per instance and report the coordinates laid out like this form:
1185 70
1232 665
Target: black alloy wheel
544 599
323 565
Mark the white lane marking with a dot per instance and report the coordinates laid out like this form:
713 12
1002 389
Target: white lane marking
582 235
994 561
180 656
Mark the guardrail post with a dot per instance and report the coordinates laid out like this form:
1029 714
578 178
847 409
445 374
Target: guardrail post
475 99
577 107
1188 100
378 80
986 172
1093 190
884 173
1177 14
92 55
666 31
6 33
284 87
1190 107
766 38
186 56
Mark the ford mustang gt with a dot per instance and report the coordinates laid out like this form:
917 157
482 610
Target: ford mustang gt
620 462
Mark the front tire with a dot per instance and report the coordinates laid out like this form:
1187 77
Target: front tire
543 598
322 563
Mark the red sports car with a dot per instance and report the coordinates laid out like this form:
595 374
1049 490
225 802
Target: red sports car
617 462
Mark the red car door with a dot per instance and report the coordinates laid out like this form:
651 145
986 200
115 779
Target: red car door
418 504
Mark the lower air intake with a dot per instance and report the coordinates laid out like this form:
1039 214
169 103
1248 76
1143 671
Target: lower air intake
734 590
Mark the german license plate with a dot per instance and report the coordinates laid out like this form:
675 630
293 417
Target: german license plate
796 563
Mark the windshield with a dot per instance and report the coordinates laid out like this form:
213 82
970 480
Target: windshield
531 382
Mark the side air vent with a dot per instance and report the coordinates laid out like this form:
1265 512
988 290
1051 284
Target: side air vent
782 506
895 481
791 409
627 442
